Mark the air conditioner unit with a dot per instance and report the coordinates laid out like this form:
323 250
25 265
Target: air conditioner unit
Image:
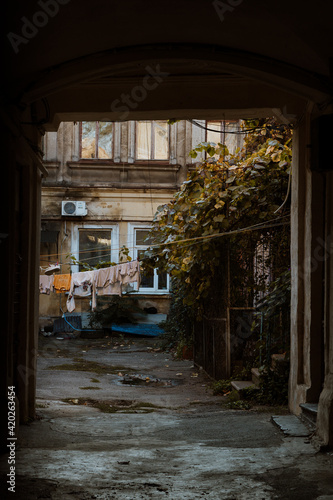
76 208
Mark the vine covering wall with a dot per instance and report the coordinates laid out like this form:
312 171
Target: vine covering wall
224 237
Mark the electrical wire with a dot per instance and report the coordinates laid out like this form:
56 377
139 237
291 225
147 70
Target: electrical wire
92 250
189 239
96 249
256 227
244 131
200 239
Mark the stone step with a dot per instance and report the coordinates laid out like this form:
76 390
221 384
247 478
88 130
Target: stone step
309 415
238 386
255 376
290 425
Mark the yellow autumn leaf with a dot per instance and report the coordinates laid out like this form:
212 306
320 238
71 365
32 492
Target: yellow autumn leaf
276 156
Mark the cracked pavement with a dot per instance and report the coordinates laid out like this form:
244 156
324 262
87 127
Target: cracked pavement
178 441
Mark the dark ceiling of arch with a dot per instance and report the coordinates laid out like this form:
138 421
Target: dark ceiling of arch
252 56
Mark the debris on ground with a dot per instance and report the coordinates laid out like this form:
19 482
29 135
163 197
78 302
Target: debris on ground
136 378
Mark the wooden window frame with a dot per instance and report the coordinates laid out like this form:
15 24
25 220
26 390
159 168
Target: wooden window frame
222 131
152 149
96 143
134 248
75 241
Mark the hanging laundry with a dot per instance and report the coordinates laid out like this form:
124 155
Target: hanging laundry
82 284
111 289
129 272
106 281
105 276
82 290
62 282
46 283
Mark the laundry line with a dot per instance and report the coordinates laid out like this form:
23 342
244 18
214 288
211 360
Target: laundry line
92 250
201 239
256 227
261 225
104 281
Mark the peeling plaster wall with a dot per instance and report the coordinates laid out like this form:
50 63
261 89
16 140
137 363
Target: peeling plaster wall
311 355
299 373
104 208
325 410
118 192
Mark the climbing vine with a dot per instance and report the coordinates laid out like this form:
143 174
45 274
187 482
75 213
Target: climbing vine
230 205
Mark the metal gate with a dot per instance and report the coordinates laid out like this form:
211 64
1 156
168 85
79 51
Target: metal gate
211 347
219 343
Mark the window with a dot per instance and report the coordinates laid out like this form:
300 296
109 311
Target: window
215 136
152 140
95 246
224 132
96 140
49 247
92 244
152 282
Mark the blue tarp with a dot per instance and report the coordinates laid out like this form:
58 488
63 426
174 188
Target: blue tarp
150 330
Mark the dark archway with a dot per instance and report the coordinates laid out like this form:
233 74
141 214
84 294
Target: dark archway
73 63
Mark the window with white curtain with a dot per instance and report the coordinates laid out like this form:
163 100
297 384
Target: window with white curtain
96 140
215 132
152 140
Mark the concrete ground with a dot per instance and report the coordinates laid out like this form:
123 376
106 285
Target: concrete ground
138 424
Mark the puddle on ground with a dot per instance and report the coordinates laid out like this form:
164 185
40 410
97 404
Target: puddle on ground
116 405
138 379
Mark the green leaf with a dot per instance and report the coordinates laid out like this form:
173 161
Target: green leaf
211 151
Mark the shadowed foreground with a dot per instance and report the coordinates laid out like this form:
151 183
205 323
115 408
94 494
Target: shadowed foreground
145 426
